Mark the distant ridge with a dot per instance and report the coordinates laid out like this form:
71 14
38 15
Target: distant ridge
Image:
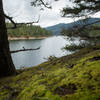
56 29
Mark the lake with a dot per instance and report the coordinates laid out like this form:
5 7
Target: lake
51 46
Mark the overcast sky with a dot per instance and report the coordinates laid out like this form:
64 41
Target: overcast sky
21 11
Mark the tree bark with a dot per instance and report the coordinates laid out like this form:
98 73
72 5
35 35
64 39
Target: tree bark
6 64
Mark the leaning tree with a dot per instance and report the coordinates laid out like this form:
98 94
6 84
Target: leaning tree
6 64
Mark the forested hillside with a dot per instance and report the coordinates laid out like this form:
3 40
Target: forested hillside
92 31
28 31
56 29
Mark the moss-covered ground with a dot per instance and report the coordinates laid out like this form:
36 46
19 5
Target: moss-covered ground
72 77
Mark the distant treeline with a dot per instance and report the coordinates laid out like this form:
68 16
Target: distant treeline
28 31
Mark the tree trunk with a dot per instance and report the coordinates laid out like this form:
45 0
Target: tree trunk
6 64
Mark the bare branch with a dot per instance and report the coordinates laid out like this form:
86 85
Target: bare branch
29 22
16 51
36 3
45 5
15 25
12 21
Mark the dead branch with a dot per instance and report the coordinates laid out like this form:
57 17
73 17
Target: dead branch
16 51
15 25
45 5
12 21
36 3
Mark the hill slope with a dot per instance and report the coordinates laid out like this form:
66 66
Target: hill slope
73 77
56 29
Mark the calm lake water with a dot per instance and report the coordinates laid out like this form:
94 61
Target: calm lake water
49 47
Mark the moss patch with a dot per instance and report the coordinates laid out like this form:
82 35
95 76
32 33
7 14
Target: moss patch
72 77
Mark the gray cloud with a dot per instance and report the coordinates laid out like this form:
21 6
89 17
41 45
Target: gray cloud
23 12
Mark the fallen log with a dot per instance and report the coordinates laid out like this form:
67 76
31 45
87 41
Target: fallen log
16 51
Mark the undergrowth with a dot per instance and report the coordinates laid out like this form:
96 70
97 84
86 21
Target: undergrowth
72 77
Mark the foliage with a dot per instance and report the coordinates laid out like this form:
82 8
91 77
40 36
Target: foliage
72 77
81 8
28 31
74 47
92 31
88 37
51 58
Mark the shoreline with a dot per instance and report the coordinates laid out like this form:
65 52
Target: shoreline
26 38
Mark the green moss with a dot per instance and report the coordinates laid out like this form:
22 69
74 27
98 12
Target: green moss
72 77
